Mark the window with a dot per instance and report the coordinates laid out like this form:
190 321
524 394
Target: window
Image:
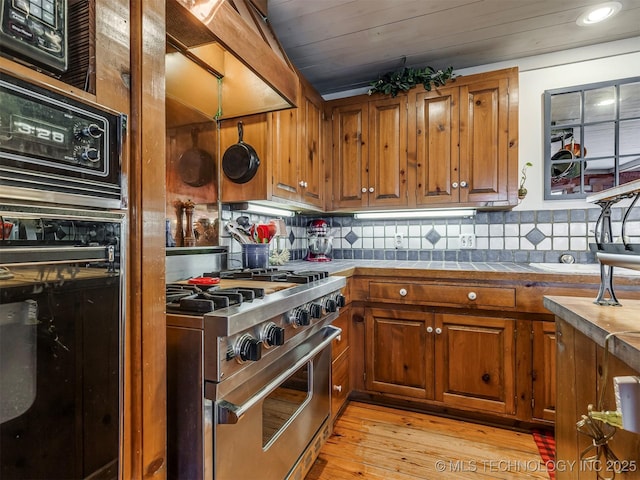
592 138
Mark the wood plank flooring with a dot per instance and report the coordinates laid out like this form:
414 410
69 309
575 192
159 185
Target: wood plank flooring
378 443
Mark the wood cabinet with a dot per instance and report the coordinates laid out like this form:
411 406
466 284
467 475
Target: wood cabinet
475 362
452 146
460 361
289 144
340 365
543 374
461 142
369 153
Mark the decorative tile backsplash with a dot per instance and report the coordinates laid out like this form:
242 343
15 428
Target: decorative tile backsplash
512 236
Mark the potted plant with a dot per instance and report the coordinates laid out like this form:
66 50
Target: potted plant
391 83
522 191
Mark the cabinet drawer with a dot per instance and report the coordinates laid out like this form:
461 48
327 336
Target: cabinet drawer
461 296
340 383
341 342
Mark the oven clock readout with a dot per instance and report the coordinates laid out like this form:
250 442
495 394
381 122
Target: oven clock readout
38 130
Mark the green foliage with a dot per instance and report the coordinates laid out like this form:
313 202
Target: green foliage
391 83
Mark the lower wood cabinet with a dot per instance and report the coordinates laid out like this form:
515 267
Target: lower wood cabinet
543 373
475 362
340 365
461 361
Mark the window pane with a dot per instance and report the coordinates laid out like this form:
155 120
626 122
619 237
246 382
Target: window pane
600 104
599 174
629 169
600 140
565 109
630 137
630 100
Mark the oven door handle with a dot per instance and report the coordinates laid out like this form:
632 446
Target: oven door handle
20 256
230 413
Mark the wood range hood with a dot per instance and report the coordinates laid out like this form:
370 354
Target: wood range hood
223 61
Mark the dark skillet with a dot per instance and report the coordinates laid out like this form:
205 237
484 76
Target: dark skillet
240 162
195 166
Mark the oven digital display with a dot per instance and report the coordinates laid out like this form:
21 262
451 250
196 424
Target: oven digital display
40 132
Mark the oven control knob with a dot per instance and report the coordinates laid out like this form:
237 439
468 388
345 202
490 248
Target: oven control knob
330 305
300 317
316 310
272 335
341 300
91 131
248 348
90 154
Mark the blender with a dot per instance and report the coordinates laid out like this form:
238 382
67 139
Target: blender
320 242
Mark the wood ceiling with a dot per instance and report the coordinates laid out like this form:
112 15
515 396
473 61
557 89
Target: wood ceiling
340 45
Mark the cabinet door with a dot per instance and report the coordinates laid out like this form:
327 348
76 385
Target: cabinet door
484 141
349 155
312 156
436 147
387 159
475 365
544 370
399 352
286 154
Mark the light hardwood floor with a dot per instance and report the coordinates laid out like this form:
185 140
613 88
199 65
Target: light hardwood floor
378 443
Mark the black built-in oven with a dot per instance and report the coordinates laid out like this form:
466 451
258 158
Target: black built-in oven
58 150
62 311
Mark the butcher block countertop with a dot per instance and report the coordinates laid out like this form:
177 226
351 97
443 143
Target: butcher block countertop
598 321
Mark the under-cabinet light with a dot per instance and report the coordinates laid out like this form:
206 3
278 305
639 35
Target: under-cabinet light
391 214
265 210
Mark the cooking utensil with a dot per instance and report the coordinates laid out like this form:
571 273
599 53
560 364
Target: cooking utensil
571 169
195 166
203 281
235 231
240 162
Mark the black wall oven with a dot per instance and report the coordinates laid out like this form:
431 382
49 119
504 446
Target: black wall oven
62 282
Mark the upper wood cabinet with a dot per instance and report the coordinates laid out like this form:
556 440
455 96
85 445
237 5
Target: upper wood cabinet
452 146
289 144
369 153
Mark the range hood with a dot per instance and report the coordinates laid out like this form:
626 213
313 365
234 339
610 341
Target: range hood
223 61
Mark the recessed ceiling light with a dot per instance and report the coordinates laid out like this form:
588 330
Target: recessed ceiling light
598 13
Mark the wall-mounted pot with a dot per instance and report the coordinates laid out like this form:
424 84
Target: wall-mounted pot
240 162
195 166
572 168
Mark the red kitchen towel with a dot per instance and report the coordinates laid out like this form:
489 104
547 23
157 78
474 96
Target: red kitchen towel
546 443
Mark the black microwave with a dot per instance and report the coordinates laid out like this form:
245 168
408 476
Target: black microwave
56 149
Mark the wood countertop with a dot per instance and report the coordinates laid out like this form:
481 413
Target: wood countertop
598 321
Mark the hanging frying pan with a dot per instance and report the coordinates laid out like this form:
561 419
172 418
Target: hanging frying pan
195 166
240 162
571 169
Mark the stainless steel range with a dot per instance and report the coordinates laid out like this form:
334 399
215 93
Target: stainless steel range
248 355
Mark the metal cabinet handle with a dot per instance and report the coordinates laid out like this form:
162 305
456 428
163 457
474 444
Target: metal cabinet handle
438 331
403 292
429 329
305 185
339 338
454 184
364 189
463 184
301 183
472 295
337 388
371 189
229 413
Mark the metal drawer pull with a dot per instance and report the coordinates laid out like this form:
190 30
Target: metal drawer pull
337 388
230 413
403 292
472 295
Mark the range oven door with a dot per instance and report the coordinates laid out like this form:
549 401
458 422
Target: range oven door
60 344
263 427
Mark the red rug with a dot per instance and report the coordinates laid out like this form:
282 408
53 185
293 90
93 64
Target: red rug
546 443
